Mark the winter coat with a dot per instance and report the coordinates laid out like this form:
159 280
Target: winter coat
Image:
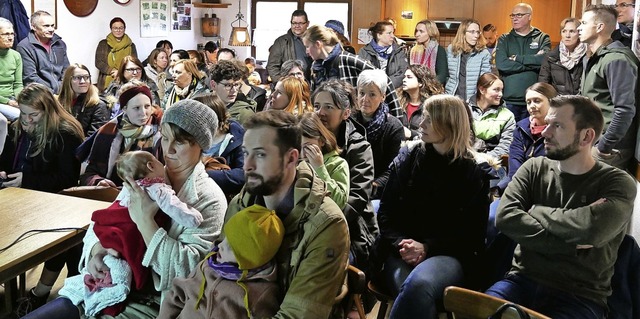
313 257
422 202
518 75
231 181
282 50
241 109
397 63
55 169
478 63
566 82
606 80
358 212
92 117
102 54
42 66
493 129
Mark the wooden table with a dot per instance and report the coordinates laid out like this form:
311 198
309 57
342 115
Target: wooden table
22 210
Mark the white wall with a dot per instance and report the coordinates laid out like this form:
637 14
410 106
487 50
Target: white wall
83 34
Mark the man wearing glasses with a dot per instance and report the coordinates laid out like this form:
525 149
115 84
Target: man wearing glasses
519 55
226 80
626 12
290 47
44 54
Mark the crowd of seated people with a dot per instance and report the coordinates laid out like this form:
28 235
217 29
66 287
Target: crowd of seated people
424 167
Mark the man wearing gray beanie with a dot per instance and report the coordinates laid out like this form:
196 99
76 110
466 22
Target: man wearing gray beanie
195 118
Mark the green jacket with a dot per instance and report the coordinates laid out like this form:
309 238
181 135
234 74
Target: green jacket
549 213
313 257
607 81
518 75
242 109
335 172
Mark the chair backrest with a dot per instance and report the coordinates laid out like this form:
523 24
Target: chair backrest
469 304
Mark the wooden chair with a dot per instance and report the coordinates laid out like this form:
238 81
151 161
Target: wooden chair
468 304
386 300
357 283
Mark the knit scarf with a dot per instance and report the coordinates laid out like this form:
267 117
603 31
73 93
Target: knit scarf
570 59
178 94
139 135
383 52
322 70
425 55
374 126
119 50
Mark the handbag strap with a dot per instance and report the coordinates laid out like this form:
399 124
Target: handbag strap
521 313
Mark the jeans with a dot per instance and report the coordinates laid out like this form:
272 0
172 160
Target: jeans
419 290
59 308
552 302
519 111
10 112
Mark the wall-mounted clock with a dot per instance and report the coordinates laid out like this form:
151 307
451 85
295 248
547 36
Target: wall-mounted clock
122 2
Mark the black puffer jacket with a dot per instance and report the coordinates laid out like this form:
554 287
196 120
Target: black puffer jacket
396 65
566 82
363 228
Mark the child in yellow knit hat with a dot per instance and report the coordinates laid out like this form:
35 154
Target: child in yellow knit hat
238 278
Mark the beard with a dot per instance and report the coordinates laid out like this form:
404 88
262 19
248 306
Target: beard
264 187
566 152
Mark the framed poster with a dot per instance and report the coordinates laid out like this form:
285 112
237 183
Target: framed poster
181 15
154 18
50 6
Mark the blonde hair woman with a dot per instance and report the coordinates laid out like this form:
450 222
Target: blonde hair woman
467 58
425 250
427 51
80 98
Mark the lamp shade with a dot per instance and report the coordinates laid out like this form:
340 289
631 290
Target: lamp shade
240 37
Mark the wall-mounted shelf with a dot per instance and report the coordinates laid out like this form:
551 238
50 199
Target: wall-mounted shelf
210 5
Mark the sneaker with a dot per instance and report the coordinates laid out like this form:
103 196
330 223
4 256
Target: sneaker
29 303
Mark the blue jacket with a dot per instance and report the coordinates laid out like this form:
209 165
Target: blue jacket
624 302
231 181
523 147
478 64
41 66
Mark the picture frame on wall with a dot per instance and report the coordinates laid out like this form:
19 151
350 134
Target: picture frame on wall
50 6
154 18
181 15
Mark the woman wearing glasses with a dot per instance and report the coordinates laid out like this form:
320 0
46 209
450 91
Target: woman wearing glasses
82 100
130 69
468 58
562 67
10 78
187 82
111 51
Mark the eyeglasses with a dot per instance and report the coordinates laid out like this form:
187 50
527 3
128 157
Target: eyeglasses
624 5
299 24
133 70
77 78
473 32
296 74
229 86
518 15
8 35
118 29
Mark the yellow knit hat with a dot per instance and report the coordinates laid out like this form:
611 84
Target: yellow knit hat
255 234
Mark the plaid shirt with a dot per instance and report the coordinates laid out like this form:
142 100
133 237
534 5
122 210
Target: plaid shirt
349 68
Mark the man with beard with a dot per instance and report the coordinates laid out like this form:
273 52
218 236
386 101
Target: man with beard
568 213
312 259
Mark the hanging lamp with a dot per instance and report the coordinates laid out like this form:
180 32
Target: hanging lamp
240 35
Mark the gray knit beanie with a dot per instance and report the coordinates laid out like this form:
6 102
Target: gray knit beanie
194 118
